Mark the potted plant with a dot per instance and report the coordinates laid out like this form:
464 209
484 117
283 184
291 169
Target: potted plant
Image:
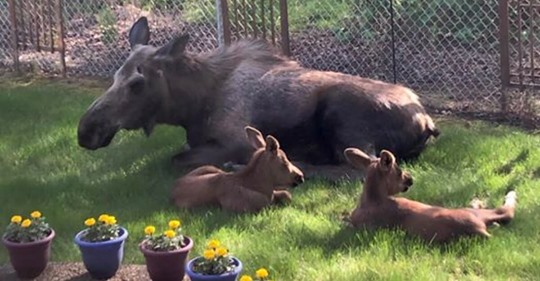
102 246
261 274
215 264
28 242
166 253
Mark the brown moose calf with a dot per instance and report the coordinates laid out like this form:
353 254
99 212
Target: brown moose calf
378 208
248 190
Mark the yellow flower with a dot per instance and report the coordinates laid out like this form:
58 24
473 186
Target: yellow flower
26 223
16 219
149 230
35 214
174 224
111 220
246 278
222 251
209 254
89 222
103 218
261 273
213 244
170 233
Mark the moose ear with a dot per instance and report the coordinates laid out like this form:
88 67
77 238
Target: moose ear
272 144
255 138
387 160
176 46
139 33
357 158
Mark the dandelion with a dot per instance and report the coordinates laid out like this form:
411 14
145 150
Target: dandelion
246 278
16 219
26 223
213 244
103 218
170 233
222 251
149 230
209 254
35 214
174 224
90 222
261 273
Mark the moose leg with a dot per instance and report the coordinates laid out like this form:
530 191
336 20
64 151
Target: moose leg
202 155
503 214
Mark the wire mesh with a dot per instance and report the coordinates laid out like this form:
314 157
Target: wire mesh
446 50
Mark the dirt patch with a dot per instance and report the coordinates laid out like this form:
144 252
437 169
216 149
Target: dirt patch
57 271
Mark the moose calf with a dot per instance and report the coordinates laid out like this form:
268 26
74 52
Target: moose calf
261 182
379 208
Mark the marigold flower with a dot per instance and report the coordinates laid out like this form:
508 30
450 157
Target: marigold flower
103 218
170 233
222 251
16 219
213 244
209 254
89 222
261 273
35 214
174 224
246 278
149 230
111 220
26 223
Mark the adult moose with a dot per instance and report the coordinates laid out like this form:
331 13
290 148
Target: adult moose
314 114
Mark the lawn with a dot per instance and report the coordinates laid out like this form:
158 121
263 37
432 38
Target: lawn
42 167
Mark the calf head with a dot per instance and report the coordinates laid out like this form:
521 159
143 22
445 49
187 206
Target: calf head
382 173
138 92
271 161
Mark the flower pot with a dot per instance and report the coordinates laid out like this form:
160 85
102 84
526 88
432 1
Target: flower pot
29 260
167 266
102 259
227 276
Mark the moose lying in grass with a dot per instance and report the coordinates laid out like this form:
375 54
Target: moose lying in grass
378 208
262 182
315 114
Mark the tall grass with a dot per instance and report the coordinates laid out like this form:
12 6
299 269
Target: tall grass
41 167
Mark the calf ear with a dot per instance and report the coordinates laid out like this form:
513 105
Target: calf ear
255 138
357 158
387 160
139 33
272 144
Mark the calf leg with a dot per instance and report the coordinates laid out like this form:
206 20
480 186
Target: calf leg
503 214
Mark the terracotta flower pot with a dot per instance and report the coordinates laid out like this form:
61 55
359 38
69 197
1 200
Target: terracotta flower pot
167 266
227 276
102 259
29 260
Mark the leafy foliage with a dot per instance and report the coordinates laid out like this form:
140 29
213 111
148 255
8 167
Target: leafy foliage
32 229
104 229
215 260
170 240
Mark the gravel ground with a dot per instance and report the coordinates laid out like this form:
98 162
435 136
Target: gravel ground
76 272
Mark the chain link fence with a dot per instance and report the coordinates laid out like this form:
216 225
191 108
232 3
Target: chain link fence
446 50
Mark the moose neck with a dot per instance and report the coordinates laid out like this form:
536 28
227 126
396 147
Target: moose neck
256 177
191 97
373 192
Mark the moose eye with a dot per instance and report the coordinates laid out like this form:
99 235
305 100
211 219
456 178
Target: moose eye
136 86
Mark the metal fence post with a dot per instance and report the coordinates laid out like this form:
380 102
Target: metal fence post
223 26
14 36
61 43
284 22
504 51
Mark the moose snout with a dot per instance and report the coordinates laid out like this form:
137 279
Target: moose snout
298 179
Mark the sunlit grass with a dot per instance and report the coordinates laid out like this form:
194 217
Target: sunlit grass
42 167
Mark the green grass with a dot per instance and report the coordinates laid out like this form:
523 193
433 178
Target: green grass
41 167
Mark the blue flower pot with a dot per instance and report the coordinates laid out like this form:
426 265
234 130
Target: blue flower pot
102 259
228 276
